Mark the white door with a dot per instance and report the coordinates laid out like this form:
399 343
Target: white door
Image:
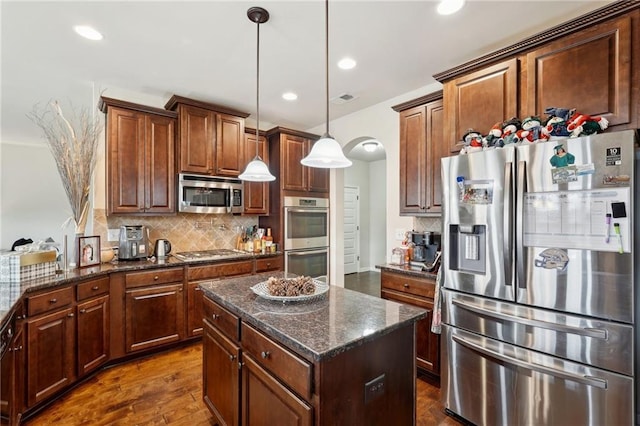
351 229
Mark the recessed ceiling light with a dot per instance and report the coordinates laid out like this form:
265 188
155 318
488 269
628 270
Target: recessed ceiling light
88 32
346 63
289 96
447 7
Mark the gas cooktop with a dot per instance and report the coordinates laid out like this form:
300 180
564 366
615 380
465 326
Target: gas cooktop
208 254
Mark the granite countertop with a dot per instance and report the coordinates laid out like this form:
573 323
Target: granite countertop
317 330
11 292
406 270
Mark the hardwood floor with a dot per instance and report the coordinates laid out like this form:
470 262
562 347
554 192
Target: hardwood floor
166 388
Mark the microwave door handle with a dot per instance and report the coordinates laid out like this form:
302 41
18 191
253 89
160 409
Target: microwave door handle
229 199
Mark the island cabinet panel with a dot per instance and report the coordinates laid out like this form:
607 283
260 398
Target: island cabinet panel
417 291
479 100
222 319
221 376
140 158
154 316
256 194
50 354
220 270
267 401
195 310
590 70
93 334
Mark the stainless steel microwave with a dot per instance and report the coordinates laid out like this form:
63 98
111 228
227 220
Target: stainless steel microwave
208 194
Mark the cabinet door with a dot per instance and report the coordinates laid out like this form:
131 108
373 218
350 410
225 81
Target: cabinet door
154 316
197 139
589 70
292 150
126 156
256 194
93 334
18 397
318 178
50 354
229 145
221 376
413 158
266 401
437 148
194 310
479 100
160 165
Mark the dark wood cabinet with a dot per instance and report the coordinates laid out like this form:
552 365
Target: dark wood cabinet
140 158
211 138
19 349
256 194
421 148
50 354
480 99
93 334
194 309
419 292
590 63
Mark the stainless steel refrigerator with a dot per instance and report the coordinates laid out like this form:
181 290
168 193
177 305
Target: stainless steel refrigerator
539 299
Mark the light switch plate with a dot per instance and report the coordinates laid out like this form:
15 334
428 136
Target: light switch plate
113 234
399 234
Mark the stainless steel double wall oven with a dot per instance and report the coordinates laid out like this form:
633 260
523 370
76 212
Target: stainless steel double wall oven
306 236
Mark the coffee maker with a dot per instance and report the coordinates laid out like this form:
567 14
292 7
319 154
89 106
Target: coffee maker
426 250
134 242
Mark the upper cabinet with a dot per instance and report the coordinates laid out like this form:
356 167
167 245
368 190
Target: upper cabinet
287 147
421 148
256 194
140 158
210 138
589 64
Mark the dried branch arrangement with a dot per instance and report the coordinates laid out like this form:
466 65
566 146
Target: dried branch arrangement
73 142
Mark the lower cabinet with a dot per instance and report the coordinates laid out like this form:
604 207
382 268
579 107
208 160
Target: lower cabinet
418 292
93 334
194 309
154 316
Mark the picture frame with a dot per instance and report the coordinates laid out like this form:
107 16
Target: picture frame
88 251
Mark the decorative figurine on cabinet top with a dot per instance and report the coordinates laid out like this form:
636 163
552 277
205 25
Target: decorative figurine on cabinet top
531 130
472 142
582 124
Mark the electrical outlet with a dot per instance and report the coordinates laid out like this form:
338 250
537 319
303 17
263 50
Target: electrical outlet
399 234
113 234
374 389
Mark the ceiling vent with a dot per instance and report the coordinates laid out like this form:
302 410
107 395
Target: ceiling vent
342 99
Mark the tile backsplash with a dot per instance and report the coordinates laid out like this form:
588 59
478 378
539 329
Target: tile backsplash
433 224
185 231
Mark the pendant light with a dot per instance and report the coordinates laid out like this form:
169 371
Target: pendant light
326 153
257 170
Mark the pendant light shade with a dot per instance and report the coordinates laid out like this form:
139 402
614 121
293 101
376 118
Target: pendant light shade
326 153
257 170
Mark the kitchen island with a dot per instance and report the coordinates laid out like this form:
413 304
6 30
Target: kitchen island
346 358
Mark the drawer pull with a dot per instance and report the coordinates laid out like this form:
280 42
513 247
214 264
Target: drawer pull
215 316
232 357
18 348
54 300
95 288
197 289
70 315
83 311
268 264
265 354
405 285
156 278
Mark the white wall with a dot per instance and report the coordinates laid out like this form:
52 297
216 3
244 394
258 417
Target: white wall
381 123
377 214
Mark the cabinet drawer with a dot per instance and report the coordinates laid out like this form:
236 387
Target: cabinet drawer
50 301
288 367
92 288
159 276
411 285
270 264
219 270
221 318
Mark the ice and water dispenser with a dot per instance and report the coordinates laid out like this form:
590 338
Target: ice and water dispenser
468 248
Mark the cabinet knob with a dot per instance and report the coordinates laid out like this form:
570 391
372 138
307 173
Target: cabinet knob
268 264
197 289
94 288
215 316
232 357
156 278
70 315
18 348
54 300
405 285
83 311
265 354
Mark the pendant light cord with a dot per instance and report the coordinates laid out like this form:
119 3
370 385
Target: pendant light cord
326 59
257 87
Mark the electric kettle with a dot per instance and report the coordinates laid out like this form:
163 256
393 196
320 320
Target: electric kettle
163 248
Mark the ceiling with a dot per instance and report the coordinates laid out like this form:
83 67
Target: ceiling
206 50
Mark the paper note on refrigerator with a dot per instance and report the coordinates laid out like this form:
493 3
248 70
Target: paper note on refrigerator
575 219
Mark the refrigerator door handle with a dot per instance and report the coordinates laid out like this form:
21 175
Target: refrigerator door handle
522 188
507 223
596 333
586 380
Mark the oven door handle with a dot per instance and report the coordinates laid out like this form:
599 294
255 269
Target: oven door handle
306 252
296 210
583 379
